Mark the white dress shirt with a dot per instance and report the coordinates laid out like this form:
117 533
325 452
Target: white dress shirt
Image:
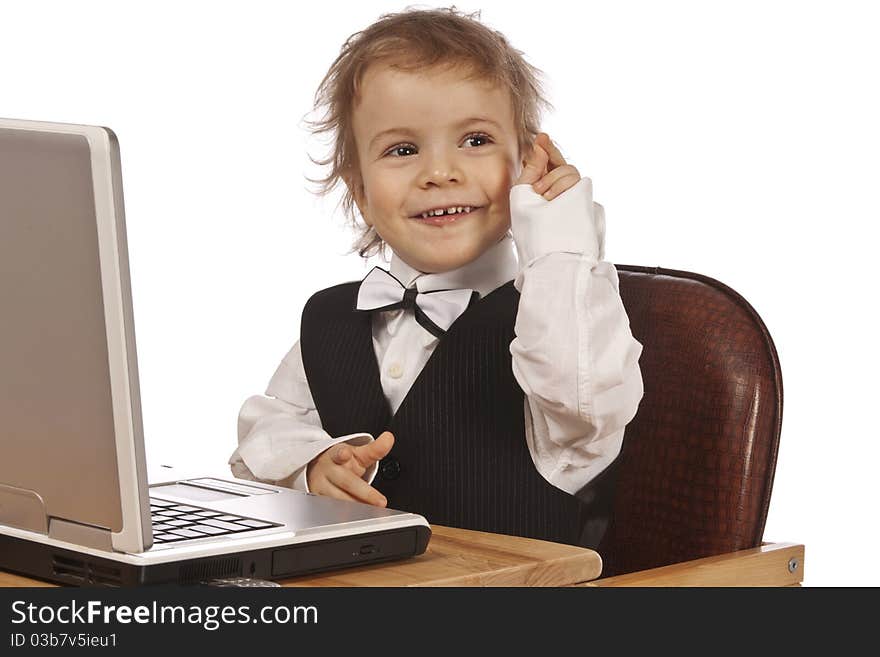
573 356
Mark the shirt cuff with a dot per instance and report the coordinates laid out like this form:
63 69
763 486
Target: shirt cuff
570 223
300 482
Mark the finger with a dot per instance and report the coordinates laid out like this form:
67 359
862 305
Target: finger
547 181
346 456
354 465
356 487
368 454
341 454
534 166
328 489
561 185
555 156
383 445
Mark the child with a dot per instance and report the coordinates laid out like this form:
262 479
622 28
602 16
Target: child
496 374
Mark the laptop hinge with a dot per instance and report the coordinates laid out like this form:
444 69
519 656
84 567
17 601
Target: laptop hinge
85 535
22 508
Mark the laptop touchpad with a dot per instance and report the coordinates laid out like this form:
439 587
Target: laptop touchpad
194 493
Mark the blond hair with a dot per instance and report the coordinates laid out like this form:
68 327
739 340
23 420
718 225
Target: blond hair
416 39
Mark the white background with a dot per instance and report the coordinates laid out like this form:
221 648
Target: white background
738 139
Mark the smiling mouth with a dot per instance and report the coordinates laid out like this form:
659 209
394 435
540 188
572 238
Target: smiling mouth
442 217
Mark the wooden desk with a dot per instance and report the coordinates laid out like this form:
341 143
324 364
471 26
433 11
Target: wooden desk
459 557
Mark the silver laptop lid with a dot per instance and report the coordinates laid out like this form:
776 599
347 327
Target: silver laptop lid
72 460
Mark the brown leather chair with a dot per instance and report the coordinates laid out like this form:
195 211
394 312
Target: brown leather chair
696 470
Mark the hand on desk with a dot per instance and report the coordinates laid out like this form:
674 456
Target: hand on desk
338 471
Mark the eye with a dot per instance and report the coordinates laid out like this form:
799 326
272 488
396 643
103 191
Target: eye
477 139
401 150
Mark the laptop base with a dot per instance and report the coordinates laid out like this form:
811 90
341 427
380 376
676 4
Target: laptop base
62 566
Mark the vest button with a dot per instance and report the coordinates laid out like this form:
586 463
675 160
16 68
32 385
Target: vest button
389 468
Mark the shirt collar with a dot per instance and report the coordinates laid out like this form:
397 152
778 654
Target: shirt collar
495 267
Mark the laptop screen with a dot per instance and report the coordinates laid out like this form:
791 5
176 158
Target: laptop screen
59 435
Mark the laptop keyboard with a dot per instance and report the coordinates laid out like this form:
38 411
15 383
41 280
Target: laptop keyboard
178 522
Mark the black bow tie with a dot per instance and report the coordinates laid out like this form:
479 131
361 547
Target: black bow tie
435 311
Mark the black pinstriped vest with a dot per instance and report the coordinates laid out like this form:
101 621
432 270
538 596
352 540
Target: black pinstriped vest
460 456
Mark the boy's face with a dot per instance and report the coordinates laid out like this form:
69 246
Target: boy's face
433 140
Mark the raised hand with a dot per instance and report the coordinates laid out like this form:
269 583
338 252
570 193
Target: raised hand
546 170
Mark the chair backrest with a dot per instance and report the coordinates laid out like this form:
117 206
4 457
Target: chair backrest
696 470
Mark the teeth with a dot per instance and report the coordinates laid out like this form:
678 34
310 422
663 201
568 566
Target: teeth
459 209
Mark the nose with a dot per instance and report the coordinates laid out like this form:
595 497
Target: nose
440 169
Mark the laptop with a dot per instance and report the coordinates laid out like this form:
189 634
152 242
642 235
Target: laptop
75 504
